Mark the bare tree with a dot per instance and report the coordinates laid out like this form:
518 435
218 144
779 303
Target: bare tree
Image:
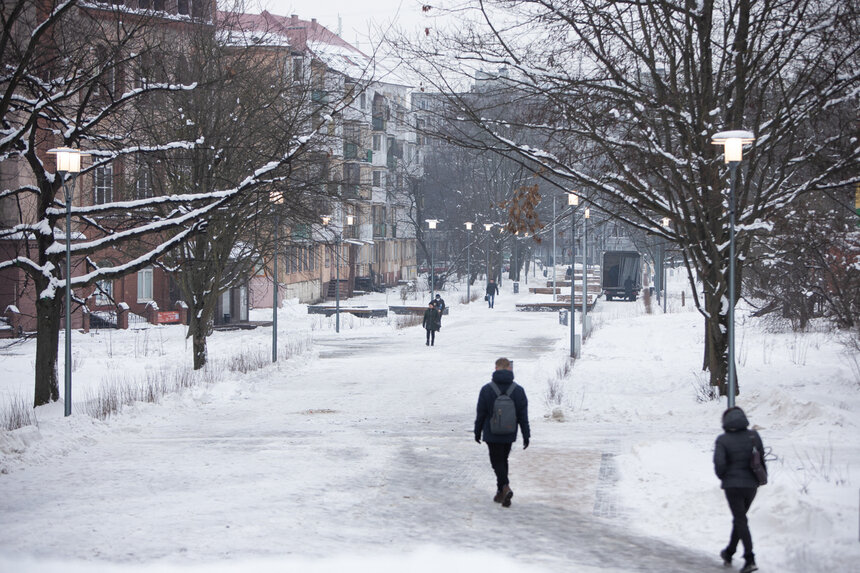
623 98
73 77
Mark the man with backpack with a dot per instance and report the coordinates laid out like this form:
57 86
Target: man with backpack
502 406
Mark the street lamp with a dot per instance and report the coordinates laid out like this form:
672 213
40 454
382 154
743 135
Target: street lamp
468 264
431 223
276 198
585 219
554 298
68 162
733 147
326 219
663 265
572 201
488 227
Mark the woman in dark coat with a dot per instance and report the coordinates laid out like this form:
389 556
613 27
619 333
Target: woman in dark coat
432 322
732 454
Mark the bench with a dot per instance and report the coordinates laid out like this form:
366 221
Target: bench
419 310
361 312
553 306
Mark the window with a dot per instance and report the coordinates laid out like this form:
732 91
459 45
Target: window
158 5
103 185
182 6
144 285
104 288
143 4
297 70
377 178
362 101
199 8
143 183
377 142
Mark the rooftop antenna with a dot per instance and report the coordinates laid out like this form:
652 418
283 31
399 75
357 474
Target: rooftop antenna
339 26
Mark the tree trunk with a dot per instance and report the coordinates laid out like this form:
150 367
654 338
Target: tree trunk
199 329
47 387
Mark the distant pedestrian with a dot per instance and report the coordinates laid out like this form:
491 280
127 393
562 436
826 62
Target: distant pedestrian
439 303
492 291
499 444
431 323
732 454
628 288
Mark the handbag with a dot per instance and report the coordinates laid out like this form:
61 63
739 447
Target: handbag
486 297
756 465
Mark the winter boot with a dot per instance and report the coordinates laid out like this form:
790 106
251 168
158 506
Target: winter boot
749 567
498 497
507 494
727 559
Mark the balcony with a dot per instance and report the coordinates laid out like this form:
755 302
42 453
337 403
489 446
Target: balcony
350 151
379 230
378 123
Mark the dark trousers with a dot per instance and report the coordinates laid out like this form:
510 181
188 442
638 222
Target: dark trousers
499 453
740 499
431 336
491 298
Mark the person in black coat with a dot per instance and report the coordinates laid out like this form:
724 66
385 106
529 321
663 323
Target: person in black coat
431 323
500 445
732 454
492 291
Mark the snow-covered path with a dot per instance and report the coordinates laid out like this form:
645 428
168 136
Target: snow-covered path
359 455
367 448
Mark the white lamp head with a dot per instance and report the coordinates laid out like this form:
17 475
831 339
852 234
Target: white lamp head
276 197
587 213
68 159
666 222
350 219
733 143
469 225
488 226
326 219
572 199
431 223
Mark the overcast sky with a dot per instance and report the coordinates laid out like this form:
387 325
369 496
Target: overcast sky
356 17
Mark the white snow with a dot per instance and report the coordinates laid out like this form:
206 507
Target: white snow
358 455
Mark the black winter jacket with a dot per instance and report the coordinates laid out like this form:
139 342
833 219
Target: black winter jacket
432 319
733 450
486 399
492 289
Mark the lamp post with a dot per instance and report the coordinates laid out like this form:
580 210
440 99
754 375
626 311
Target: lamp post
585 219
68 162
326 219
468 263
573 201
276 198
488 227
663 266
431 224
733 146
554 298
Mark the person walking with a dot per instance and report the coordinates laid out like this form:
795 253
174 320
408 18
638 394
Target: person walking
732 454
439 303
492 291
431 323
499 444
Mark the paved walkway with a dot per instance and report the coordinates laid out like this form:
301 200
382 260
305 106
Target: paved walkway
341 454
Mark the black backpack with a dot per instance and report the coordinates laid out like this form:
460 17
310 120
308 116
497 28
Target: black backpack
756 464
504 419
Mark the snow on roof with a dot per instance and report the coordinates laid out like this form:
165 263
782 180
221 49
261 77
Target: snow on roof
311 36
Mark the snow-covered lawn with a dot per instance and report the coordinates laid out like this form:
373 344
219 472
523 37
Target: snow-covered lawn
356 453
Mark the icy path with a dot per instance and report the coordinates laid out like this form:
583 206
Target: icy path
367 449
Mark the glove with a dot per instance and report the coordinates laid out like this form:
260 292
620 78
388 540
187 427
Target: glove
478 438
525 443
